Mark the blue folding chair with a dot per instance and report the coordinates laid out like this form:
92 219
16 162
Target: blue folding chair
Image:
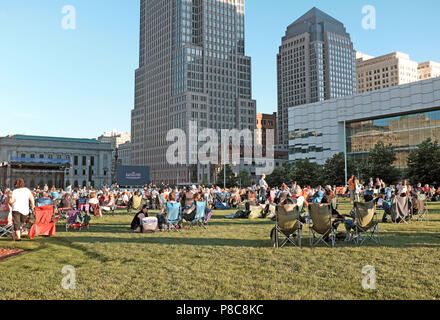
199 219
173 215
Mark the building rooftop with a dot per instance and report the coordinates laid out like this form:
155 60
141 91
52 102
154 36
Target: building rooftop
55 139
315 22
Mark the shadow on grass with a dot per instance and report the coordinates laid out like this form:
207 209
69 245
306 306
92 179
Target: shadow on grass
175 241
391 240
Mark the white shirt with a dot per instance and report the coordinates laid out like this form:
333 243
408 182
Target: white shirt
300 201
262 183
22 197
94 201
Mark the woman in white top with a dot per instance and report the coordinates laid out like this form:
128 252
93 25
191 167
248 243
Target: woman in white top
22 201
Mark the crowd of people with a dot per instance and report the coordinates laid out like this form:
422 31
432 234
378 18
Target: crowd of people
22 200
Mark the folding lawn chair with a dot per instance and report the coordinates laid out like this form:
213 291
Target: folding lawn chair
400 209
199 219
422 207
321 226
6 224
43 225
173 215
366 225
287 225
77 220
255 212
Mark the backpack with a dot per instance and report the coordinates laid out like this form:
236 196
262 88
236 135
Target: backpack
149 225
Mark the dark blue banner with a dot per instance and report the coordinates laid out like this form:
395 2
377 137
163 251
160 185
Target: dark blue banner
132 176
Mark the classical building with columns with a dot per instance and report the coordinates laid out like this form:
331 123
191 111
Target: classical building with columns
54 161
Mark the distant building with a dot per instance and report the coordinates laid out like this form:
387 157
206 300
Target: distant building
54 161
124 154
115 138
374 73
316 62
393 69
428 70
266 122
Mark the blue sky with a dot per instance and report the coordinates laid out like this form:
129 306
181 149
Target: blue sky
80 83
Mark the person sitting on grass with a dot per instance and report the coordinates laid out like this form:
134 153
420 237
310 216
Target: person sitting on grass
136 224
94 204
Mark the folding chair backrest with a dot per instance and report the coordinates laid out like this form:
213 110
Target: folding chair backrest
255 212
364 213
72 214
400 208
43 215
173 211
335 203
5 215
321 215
201 209
287 216
137 201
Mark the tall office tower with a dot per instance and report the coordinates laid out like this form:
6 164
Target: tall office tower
374 73
316 62
192 67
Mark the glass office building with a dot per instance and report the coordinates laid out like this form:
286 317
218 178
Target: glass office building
403 132
403 116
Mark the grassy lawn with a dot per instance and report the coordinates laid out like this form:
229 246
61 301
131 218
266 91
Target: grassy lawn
233 259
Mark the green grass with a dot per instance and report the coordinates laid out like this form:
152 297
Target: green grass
233 259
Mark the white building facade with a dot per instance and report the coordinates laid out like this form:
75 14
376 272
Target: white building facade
55 161
403 116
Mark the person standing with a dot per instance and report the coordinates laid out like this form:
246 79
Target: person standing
263 188
352 188
22 201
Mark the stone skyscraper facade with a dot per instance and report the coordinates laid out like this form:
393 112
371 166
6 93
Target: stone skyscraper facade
192 67
316 62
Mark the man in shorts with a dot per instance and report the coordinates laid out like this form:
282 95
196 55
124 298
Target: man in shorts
22 201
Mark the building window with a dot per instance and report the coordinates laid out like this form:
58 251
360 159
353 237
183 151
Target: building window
32 156
75 160
23 155
41 156
92 161
84 160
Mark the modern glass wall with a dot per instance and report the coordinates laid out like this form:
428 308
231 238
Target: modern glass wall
403 132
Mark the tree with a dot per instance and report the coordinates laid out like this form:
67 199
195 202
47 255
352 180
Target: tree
424 163
244 178
307 173
379 164
333 172
280 175
231 179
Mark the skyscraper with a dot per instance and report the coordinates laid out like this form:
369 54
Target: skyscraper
316 62
192 67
